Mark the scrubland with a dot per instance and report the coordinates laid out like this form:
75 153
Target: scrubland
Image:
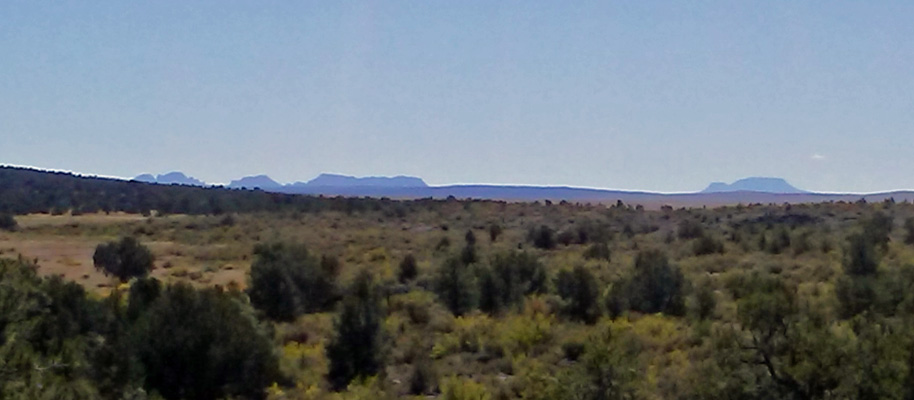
536 300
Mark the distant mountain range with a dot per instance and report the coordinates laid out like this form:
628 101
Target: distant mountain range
745 191
403 185
171 178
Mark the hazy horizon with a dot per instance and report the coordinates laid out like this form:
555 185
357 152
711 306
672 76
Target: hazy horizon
635 96
477 183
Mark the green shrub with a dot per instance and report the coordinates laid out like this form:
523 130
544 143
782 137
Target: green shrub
443 244
779 241
690 229
877 228
909 231
355 349
598 251
286 281
656 285
455 388
47 329
566 238
521 273
124 259
607 369
580 292
203 344
856 294
705 302
8 222
542 237
422 378
455 285
490 291
511 276
860 257
707 245
495 230
573 350
408 269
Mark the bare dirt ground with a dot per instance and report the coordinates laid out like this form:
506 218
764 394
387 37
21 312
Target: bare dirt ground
66 257
70 256
44 220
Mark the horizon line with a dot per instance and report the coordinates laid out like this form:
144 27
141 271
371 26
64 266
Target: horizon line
487 184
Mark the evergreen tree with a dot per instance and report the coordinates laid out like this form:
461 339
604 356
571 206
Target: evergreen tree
455 286
203 344
490 291
408 269
124 259
578 288
355 349
909 231
655 285
286 281
877 228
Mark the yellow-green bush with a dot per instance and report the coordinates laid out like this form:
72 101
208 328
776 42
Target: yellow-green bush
456 388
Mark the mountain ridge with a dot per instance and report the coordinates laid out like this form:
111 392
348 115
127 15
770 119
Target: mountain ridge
170 178
331 183
650 200
337 180
410 187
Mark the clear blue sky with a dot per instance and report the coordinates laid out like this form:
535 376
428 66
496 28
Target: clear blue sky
663 96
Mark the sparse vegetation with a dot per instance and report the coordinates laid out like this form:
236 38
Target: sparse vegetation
375 300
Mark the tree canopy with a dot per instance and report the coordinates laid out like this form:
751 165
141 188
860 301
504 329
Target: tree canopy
124 259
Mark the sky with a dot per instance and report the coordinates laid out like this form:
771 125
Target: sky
642 95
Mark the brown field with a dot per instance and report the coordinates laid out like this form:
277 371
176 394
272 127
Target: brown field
64 245
216 250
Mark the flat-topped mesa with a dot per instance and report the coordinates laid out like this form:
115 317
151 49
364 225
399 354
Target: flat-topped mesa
755 184
262 182
335 180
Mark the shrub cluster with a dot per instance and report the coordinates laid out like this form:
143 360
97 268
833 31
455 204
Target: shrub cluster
176 342
286 281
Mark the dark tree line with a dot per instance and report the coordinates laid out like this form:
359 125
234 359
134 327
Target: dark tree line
27 191
502 283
